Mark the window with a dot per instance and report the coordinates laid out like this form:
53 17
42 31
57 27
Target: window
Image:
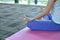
23 1
33 2
42 2
6 1
26 2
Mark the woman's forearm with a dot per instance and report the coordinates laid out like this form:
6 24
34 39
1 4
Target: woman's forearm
46 10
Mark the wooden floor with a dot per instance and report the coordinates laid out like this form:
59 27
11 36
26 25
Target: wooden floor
10 17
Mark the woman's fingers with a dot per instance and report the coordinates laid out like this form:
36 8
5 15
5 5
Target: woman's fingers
25 18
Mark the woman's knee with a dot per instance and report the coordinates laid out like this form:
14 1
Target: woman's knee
32 24
29 24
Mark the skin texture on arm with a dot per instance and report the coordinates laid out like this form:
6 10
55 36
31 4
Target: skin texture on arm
46 10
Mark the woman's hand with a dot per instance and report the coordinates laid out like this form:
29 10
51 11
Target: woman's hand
27 19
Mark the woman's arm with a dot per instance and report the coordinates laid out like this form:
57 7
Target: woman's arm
46 10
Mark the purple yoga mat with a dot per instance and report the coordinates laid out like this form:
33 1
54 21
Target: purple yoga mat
27 34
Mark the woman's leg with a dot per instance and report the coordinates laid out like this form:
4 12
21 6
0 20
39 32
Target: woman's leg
43 25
